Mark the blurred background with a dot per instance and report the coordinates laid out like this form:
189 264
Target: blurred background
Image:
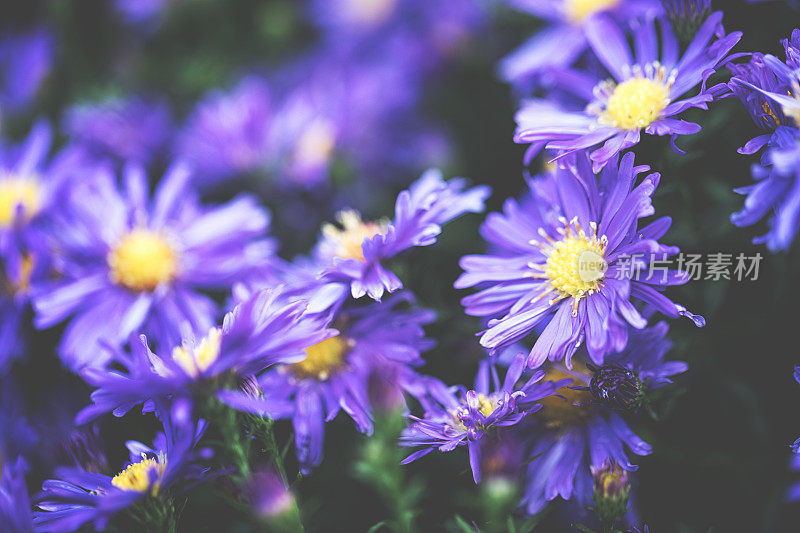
332 112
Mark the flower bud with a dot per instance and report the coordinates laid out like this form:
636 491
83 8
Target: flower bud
612 490
271 499
617 387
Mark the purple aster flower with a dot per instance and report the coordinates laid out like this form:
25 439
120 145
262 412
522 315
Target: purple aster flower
228 133
25 60
578 263
335 373
131 129
756 82
564 39
355 251
78 497
457 417
574 431
263 330
770 91
776 191
762 110
645 93
128 263
31 188
15 506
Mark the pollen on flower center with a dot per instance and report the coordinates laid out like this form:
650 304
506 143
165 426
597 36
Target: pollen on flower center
561 410
142 260
486 406
578 10
637 102
322 359
346 242
16 192
138 476
575 265
195 360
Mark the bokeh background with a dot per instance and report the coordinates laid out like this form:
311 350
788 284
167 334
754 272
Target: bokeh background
722 438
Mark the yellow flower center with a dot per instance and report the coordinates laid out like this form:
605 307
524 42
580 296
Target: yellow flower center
346 242
316 144
322 359
578 10
195 360
637 102
16 192
486 406
575 265
369 12
137 476
560 412
142 260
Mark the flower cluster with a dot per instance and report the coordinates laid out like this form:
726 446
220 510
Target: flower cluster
239 263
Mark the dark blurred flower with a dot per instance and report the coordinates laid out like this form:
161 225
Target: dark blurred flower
564 39
129 263
84 448
578 269
455 416
331 108
261 331
228 133
131 129
77 497
18 437
643 94
15 506
25 60
502 456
